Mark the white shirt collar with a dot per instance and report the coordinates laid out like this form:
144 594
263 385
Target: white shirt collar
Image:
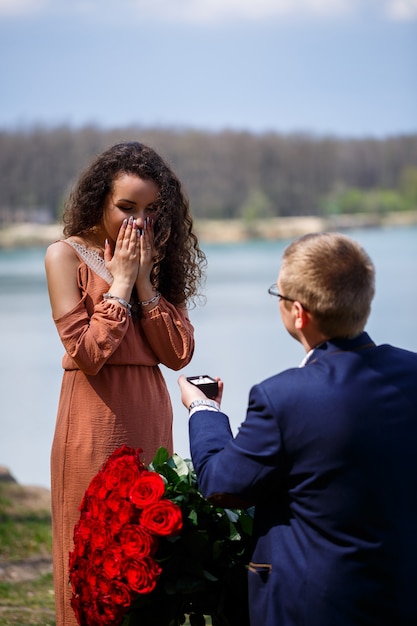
310 354
306 358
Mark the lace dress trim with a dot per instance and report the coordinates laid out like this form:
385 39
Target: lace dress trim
93 259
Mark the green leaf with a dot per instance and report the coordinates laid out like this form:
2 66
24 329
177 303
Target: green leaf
181 465
160 457
232 515
170 474
234 533
210 576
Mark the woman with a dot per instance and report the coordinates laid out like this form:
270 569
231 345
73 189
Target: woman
118 284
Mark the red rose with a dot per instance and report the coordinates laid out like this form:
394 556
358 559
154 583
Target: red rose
82 532
137 542
119 512
99 535
90 581
79 564
103 585
163 518
97 488
119 593
92 505
124 451
95 559
124 472
89 531
112 561
113 502
81 543
141 574
108 614
147 489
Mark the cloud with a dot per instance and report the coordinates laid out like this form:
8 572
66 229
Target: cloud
401 10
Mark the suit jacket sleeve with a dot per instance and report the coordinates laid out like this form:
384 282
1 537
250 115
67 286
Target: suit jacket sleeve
236 469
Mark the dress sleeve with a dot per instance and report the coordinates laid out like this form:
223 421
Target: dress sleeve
91 340
170 334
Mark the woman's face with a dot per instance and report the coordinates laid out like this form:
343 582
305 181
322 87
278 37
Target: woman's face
131 196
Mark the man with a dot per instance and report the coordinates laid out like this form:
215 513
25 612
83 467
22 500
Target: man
327 454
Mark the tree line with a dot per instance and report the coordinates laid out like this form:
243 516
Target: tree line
227 174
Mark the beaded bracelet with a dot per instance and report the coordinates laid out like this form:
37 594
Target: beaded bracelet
152 300
122 301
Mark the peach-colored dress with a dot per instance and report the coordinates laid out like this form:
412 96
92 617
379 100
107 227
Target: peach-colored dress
112 393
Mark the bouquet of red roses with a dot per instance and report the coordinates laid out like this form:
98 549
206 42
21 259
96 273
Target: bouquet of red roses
149 549
123 515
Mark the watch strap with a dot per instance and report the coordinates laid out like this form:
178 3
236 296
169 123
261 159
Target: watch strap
209 403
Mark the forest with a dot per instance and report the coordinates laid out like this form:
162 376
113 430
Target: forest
227 174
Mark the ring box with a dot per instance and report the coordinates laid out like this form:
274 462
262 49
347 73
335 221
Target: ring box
207 384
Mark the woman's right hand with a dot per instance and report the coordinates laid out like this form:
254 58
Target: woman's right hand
123 263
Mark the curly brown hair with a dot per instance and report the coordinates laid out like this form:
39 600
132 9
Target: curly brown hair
179 261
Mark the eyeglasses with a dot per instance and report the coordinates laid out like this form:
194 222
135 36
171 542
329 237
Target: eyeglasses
273 290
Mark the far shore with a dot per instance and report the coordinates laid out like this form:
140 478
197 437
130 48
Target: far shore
28 234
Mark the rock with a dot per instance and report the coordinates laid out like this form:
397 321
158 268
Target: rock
6 476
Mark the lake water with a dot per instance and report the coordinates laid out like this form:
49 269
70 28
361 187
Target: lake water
239 336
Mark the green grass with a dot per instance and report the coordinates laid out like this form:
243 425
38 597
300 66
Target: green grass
24 538
30 603
25 532
25 523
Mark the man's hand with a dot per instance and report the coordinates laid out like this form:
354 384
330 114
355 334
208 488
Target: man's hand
190 392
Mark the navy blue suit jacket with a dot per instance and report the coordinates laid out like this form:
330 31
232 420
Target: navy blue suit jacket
328 455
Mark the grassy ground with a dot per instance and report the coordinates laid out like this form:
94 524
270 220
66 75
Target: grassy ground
26 591
27 602
25 517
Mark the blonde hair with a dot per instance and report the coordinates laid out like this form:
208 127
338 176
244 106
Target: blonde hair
333 277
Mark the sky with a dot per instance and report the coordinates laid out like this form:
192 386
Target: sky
326 67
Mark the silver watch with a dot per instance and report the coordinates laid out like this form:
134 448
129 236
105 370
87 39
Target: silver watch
207 402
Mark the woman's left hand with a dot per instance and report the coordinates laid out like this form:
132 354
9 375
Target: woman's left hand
147 250
146 261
